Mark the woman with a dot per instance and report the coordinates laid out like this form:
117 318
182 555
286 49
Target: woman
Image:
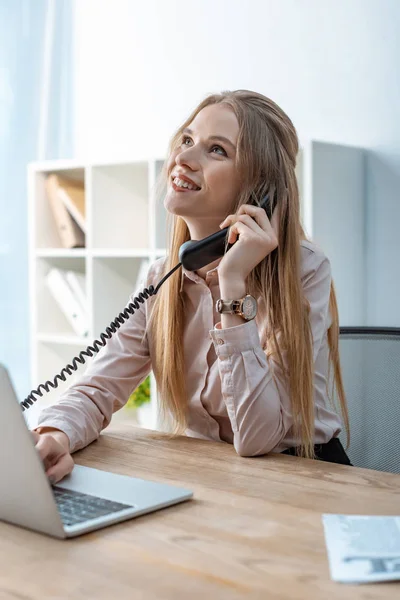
259 376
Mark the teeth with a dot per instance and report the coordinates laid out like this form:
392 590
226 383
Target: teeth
184 184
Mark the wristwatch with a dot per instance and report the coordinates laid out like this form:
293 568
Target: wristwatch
245 307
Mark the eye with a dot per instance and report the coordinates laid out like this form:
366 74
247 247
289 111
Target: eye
185 140
219 149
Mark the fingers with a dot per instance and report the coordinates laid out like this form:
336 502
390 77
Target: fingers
243 218
56 460
232 222
249 222
47 447
246 228
257 213
239 228
260 216
62 468
255 218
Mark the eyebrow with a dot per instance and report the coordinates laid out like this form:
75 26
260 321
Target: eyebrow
214 138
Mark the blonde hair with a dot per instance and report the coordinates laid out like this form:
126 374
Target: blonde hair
267 148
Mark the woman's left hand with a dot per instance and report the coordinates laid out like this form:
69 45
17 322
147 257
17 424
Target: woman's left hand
254 237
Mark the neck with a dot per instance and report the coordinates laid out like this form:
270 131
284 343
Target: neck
204 270
198 231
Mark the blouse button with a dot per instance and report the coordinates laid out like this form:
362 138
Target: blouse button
220 341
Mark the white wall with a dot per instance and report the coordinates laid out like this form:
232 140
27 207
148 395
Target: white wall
332 65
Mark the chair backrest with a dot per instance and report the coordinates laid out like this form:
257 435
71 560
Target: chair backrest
370 361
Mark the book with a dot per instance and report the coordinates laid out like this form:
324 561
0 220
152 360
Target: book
71 235
66 300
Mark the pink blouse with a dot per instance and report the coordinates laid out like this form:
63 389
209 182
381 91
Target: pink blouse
232 396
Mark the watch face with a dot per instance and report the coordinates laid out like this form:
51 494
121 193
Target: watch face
249 307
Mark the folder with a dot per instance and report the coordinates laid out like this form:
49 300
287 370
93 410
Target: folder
71 235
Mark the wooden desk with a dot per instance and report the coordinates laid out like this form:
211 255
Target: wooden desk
253 529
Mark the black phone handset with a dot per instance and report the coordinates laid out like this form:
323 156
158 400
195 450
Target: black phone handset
192 256
196 254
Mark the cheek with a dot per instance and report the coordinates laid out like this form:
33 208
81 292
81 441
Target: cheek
224 184
171 161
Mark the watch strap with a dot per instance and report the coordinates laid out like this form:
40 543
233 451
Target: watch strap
231 308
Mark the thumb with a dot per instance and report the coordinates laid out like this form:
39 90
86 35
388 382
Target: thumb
63 467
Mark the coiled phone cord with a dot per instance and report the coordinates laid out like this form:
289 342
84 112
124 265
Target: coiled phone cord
192 256
97 344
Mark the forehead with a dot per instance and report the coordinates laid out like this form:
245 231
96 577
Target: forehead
217 119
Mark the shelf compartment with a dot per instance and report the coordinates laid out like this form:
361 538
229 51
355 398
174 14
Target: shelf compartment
120 204
45 228
50 318
114 280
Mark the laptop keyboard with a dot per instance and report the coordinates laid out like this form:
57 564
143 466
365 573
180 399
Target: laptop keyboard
75 507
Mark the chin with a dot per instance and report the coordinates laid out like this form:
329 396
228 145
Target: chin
181 207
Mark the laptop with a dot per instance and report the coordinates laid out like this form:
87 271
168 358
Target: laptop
85 500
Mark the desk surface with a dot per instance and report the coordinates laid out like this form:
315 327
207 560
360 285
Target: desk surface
253 529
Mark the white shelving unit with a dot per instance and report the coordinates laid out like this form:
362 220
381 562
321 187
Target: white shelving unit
125 224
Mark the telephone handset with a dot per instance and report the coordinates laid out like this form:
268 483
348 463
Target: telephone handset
192 256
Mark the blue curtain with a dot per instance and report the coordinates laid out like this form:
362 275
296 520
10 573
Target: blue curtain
35 124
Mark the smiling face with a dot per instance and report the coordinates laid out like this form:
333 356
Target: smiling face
203 178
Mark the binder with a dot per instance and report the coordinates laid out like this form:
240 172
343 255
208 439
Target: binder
72 194
71 235
68 303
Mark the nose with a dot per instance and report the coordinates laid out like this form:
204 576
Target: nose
188 157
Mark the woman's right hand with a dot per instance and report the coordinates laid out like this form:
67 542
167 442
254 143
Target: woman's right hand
53 448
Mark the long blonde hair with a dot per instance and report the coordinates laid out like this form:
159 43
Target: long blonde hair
267 148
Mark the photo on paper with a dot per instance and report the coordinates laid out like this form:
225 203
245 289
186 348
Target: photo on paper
363 548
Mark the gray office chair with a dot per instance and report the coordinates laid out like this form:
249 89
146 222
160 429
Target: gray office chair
370 361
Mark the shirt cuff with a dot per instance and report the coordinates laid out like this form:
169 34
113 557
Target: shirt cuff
234 340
